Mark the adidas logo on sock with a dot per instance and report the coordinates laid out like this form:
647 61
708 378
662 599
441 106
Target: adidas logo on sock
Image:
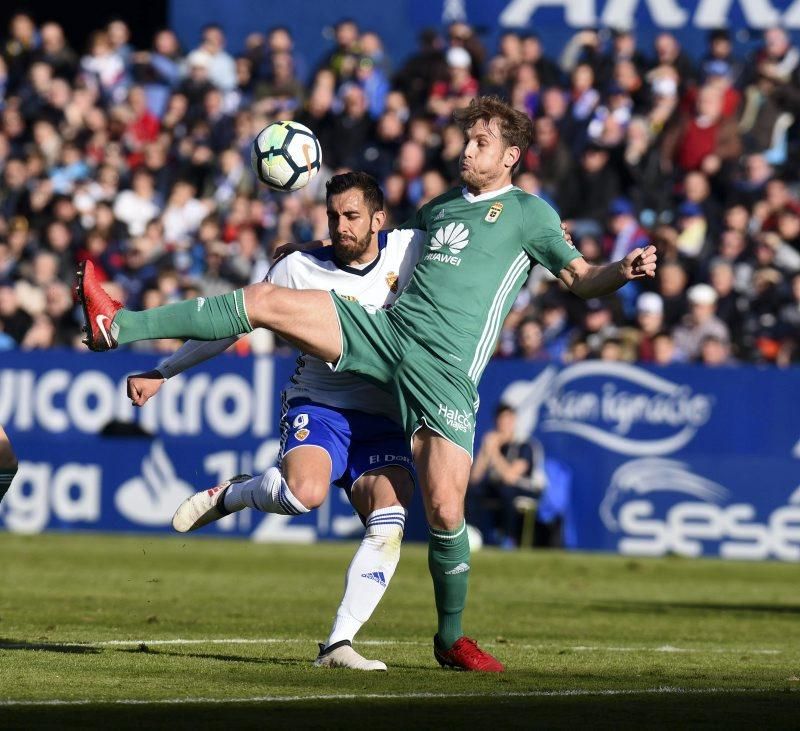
375 576
462 568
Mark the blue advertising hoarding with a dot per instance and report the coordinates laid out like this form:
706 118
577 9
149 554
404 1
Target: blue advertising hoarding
682 460
555 21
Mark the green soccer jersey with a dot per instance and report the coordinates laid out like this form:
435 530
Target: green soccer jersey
479 253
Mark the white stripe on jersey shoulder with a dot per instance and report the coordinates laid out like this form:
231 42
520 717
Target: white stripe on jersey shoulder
402 237
470 198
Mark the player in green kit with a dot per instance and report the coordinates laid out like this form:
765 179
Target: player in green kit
431 348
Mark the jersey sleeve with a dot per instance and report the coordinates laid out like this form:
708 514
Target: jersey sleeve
280 273
543 238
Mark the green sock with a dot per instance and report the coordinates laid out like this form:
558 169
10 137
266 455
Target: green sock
204 318
448 561
6 475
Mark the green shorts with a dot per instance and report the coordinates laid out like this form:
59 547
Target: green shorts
429 391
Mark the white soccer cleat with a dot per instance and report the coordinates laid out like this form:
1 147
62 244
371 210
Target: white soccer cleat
204 507
342 655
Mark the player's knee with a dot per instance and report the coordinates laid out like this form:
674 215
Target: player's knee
261 301
445 514
311 493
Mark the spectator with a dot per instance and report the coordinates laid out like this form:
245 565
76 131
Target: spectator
352 129
700 323
671 282
720 48
221 66
549 157
502 471
15 321
595 185
703 139
530 342
425 68
56 53
715 351
649 323
103 69
664 353
532 52
344 58
158 70
459 88
669 53
598 325
139 205
183 214
625 229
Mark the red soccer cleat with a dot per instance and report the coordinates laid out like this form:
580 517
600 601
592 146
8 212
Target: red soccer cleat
466 655
99 310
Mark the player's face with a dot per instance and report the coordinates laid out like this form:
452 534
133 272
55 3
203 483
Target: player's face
486 160
353 230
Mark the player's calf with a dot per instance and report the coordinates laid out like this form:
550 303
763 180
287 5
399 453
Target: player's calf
8 463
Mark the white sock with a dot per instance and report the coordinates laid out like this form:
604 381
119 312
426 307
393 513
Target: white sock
369 573
268 493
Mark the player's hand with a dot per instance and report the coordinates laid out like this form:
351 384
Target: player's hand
567 234
640 263
285 249
143 386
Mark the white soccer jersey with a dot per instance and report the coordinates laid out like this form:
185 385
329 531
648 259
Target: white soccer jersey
377 284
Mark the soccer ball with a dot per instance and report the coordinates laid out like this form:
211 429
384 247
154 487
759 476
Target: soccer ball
286 155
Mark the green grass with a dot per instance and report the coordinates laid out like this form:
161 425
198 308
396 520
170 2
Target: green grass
624 636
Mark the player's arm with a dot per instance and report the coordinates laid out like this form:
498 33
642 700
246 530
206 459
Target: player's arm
143 386
545 241
590 280
282 251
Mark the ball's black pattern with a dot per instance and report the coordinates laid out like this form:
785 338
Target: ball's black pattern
292 133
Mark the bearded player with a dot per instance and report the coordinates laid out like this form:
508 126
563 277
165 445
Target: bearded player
335 427
431 348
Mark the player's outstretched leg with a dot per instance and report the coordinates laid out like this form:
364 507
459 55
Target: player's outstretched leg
306 318
8 463
267 492
443 471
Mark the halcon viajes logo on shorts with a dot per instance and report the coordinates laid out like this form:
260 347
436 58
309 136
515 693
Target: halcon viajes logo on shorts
453 237
458 420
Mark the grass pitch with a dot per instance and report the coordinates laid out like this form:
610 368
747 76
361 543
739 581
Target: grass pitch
126 631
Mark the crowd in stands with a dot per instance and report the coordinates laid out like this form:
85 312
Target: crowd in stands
138 159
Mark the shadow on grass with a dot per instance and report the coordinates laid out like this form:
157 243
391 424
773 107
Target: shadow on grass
690 607
7 644
216 656
732 710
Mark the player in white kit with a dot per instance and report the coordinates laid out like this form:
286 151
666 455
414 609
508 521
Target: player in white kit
335 427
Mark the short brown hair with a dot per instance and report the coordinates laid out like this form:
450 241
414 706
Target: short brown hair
516 127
